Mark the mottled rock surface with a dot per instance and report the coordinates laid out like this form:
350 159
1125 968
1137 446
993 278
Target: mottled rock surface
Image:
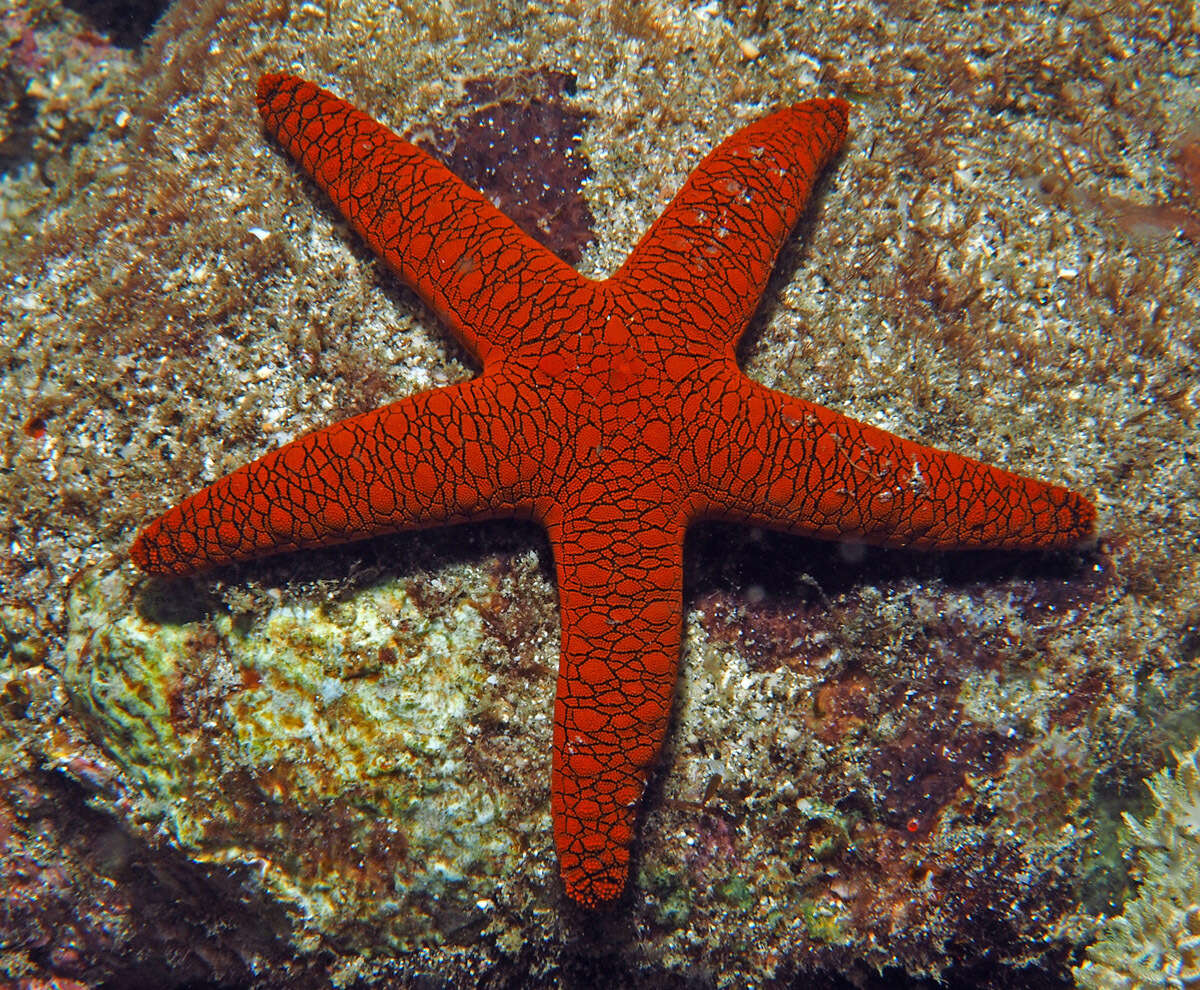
333 768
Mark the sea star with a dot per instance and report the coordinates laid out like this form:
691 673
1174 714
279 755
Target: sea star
611 412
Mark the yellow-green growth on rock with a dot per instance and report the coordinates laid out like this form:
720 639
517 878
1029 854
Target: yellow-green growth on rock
1156 942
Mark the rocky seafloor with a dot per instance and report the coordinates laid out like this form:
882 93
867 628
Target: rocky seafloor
332 768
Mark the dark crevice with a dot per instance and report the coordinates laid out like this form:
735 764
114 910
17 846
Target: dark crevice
126 23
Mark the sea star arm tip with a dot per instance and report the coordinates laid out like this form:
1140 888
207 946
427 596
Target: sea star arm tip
620 596
429 459
788 464
713 248
463 256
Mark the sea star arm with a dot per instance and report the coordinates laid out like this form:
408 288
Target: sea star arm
708 257
784 463
620 594
491 283
438 457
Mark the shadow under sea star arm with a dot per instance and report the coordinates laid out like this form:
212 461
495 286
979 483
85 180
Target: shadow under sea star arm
788 464
434 458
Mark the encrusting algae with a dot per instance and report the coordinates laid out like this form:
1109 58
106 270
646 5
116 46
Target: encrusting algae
328 751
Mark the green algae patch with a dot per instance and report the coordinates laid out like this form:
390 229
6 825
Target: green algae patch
122 676
668 896
736 892
822 923
331 746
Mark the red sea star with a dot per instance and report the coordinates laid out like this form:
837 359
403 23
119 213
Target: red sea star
611 412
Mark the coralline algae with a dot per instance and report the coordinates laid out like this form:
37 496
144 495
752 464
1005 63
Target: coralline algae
328 744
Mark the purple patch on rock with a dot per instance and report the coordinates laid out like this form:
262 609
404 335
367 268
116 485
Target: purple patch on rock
518 144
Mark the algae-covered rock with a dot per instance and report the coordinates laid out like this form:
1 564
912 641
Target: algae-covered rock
1156 941
330 745
288 774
